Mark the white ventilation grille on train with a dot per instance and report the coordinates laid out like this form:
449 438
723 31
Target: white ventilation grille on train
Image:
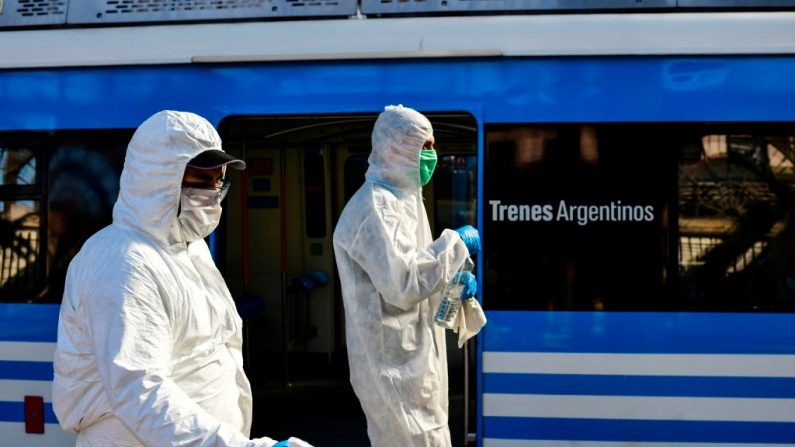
32 12
31 8
305 3
114 11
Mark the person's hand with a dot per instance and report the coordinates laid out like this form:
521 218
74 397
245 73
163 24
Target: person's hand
470 284
471 238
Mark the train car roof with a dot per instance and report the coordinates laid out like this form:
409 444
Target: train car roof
697 33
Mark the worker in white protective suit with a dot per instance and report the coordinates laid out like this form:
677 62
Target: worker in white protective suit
391 272
149 339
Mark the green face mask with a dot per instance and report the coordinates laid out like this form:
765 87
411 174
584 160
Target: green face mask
427 165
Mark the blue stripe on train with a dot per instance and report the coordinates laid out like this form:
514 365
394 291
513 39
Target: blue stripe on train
15 412
507 90
29 322
13 370
639 332
638 430
609 385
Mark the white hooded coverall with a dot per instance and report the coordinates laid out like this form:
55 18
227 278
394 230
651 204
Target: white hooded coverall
391 271
149 339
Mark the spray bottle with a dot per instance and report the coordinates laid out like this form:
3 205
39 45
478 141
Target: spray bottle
451 297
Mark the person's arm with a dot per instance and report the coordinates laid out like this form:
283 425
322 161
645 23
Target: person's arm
132 341
403 273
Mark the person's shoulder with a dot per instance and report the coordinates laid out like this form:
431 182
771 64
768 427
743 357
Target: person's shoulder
98 242
115 249
118 240
372 199
358 203
376 196
359 208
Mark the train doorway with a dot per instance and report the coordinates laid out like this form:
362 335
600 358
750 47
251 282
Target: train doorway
275 250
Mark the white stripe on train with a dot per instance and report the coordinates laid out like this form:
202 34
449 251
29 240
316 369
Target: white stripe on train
716 365
16 390
27 351
13 434
639 407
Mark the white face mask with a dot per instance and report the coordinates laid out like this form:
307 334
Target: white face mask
200 212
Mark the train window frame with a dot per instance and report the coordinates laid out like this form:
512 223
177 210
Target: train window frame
34 192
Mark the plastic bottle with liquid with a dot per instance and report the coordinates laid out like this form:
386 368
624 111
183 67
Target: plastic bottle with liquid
451 297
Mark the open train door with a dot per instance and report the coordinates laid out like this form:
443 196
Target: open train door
275 250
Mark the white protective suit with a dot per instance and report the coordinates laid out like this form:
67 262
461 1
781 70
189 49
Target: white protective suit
148 337
391 272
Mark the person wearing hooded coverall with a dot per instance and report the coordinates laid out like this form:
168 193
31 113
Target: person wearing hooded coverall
391 272
149 341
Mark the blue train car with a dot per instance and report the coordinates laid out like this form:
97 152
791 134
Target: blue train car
633 176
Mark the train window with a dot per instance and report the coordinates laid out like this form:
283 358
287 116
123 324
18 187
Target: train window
736 228
21 222
574 218
455 191
76 174
640 217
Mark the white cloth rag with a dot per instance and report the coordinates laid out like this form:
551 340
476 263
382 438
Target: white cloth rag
469 321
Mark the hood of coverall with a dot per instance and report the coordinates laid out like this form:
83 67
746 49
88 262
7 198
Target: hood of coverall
151 182
398 135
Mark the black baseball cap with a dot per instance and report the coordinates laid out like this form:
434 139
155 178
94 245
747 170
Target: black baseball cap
214 158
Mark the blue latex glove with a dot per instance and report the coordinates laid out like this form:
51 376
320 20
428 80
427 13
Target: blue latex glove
471 238
295 442
470 284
